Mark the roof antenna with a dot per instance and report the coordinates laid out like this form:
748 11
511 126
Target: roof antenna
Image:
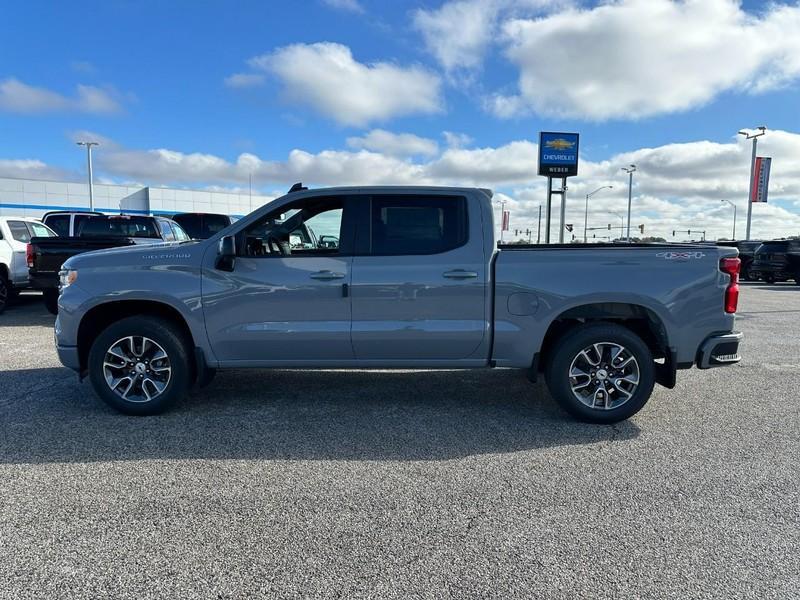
297 187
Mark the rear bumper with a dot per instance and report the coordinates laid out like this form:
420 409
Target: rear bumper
719 350
43 281
776 271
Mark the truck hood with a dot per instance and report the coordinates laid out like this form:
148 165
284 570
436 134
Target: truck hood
160 253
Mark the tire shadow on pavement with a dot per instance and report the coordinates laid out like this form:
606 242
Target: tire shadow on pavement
47 416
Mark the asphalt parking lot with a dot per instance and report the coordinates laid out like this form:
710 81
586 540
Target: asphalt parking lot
403 484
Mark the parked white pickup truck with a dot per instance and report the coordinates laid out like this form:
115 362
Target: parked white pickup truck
15 233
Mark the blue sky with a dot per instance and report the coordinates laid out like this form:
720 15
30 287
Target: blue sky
157 76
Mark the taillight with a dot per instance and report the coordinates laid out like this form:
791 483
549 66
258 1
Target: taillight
731 266
29 255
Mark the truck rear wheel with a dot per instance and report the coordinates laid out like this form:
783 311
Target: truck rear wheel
51 300
601 373
140 365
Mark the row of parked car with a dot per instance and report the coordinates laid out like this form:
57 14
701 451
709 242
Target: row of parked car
32 250
768 260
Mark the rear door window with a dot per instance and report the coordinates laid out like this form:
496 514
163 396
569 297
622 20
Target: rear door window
166 231
19 231
59 224
40 230
412 225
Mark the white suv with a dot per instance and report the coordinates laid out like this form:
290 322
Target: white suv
15 233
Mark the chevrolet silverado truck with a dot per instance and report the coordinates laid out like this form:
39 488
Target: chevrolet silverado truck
401 277
95 231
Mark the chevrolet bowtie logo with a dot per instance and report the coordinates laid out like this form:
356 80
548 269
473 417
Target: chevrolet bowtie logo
559 144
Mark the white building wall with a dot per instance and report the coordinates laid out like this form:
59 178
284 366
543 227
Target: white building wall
33 198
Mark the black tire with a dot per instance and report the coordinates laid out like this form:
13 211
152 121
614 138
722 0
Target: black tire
769 279
51 301
569 348
745 274
5 293
158 331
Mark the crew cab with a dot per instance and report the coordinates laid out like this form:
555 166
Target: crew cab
67 223
777 260
414 279
46 255
15 233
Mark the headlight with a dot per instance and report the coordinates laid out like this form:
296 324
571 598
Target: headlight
66 278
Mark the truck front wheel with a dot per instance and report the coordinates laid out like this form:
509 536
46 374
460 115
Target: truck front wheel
140 365
601 373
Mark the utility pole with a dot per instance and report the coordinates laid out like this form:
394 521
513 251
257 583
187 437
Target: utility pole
89 163
734 217
250 189
752 136
629 170
586 211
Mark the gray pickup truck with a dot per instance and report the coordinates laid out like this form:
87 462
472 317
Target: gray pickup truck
399 277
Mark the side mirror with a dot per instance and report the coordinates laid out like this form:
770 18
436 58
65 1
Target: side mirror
226 255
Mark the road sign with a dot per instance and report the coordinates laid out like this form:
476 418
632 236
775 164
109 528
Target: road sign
760 186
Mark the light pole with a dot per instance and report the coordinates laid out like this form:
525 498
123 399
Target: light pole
752 136
586 212
89 162
621 224
629 170
734 217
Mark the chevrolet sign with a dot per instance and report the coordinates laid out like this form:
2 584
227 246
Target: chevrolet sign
558 154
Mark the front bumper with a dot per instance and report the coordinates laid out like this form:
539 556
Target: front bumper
719 350
68 355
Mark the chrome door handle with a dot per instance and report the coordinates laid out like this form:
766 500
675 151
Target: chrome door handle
460 274
326 275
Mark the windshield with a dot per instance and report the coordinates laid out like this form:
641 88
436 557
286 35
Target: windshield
773 247
125 226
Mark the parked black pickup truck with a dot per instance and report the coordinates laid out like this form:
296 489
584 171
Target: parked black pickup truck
777 260
46 255
747 251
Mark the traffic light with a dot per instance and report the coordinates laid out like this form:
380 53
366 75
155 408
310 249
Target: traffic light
641 228
569 227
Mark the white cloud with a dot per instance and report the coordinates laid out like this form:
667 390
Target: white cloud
326 77
394 144
245 80
458 33
19 97
636 58
33 169
676 186
352 6
456 140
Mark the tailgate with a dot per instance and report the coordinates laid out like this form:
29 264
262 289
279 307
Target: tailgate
50 253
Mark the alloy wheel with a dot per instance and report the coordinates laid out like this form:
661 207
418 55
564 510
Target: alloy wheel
137 369
604 375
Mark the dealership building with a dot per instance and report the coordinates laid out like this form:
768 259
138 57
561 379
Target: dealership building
34 197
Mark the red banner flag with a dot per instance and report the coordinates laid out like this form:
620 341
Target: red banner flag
506 220
760 185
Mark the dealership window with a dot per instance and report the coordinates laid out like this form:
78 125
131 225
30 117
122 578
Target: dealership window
417 225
